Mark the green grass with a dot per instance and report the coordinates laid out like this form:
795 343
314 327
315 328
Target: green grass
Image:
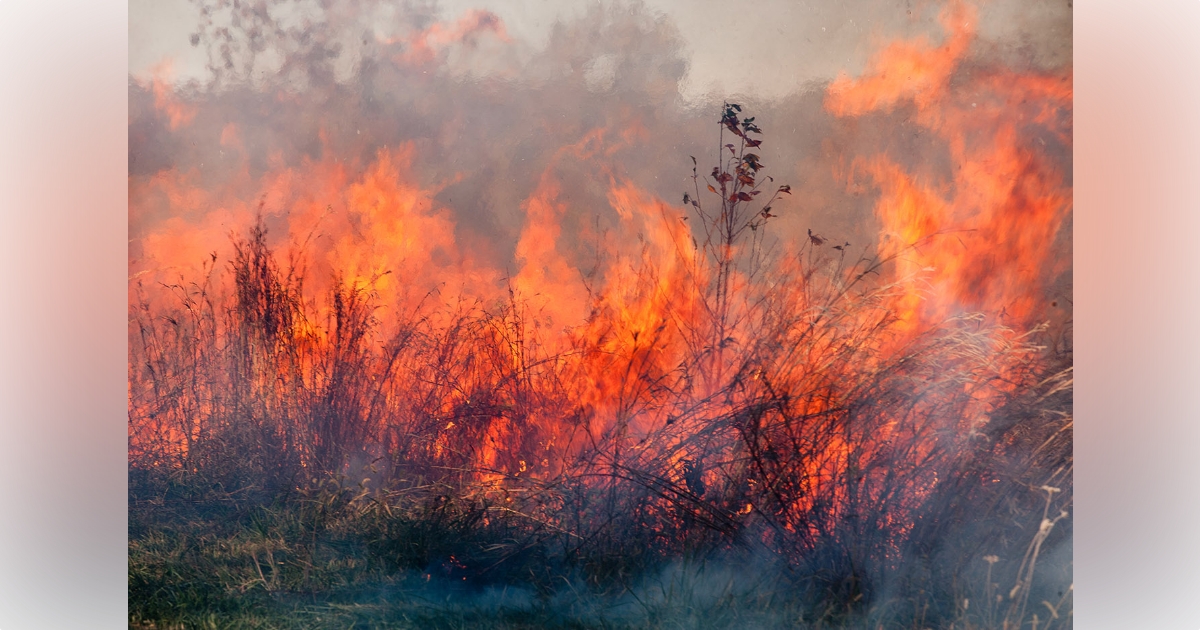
217 563
324 559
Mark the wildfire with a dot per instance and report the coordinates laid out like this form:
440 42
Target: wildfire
772 386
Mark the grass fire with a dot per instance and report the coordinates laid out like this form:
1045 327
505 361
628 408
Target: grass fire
433 327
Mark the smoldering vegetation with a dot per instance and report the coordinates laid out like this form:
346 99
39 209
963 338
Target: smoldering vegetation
416 342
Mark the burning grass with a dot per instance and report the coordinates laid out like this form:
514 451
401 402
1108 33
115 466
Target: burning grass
731 435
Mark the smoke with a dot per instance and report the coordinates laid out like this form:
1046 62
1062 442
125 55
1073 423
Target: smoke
789 44
747 590
466 113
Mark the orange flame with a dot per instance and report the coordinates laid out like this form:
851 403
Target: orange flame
424 46
985 238
178 113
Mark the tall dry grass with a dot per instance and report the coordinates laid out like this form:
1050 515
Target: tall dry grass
776 414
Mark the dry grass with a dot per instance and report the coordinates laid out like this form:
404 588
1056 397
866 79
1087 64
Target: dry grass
298 462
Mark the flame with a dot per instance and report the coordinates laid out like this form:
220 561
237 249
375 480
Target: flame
984 239
632 354
179 114
377 228
545 275
425 46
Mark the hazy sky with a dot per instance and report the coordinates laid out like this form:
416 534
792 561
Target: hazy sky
786 43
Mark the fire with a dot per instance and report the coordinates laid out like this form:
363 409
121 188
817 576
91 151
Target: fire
984 237
427 44
178 113
699 367
546 276
371 228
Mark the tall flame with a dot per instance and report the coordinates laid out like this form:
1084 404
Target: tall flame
986 232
